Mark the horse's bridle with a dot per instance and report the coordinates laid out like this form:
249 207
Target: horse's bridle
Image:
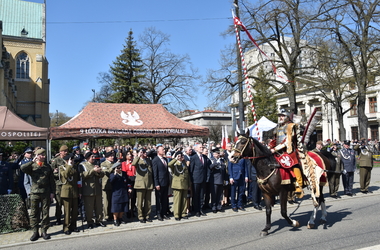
249 139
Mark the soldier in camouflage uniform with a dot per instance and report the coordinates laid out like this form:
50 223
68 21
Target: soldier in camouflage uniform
58 161
42 192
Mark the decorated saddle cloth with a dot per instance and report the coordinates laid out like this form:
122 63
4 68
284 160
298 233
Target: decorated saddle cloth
287 161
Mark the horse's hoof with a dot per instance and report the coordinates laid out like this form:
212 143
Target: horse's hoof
263 233
322 221
310 226
295 223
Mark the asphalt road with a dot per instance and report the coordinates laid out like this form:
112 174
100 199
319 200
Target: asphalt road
353 223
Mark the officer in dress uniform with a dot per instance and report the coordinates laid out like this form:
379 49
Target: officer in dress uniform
41 193
365 153
347 156
180 184
106 185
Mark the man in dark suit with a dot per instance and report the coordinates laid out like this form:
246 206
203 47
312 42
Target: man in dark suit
238 173
161 183
198 174
218 176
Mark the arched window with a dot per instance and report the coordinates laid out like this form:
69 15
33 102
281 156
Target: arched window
23 62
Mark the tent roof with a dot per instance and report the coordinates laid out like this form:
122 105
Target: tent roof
14 128
110 120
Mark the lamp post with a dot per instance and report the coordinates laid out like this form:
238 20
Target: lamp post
57 116
93 99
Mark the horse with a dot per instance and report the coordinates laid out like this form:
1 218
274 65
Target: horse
269 180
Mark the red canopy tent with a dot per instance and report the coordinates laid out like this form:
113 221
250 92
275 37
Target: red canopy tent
113 120
14 128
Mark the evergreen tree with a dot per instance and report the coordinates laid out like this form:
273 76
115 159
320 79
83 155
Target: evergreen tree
263 98
127 72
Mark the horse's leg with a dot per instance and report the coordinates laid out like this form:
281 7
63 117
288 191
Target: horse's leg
323 208
310 223
284 208
268 211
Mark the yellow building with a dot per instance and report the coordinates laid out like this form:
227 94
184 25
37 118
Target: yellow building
24 82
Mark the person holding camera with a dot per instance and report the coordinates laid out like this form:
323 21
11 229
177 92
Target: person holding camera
41 193
92 190
121 188
69 176
365 153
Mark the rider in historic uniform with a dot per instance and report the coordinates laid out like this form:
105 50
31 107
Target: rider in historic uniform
284 148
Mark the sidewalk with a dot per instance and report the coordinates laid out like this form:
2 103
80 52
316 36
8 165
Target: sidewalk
56 232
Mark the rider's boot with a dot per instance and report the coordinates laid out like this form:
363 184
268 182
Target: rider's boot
299 181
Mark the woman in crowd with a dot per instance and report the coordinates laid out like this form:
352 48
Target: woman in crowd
120 190
130 170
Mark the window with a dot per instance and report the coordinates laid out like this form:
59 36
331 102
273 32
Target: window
22 66
354 109
354 133
374 132
372 104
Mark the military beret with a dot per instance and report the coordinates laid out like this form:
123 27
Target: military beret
63 148
117 164
40 151
76 147
88 154
109 153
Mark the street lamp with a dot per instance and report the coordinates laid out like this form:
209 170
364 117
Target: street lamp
93 99
57 116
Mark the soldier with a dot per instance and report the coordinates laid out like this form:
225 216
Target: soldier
365 153
336 166
92 190
143 185
69 176
6 176
26 157
180 184
347 157
41 194
106 185
58 161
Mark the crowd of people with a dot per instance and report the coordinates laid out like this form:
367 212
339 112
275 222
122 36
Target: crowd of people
115 183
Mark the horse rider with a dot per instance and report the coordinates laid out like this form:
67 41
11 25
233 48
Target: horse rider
284 148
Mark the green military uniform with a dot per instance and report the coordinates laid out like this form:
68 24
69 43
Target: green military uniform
69 176
366 164
42 186
107 189
143 186
57 162
92 192
180 185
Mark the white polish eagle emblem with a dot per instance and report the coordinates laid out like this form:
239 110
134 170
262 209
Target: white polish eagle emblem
131 119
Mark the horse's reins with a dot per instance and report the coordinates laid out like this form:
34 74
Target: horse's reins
260 182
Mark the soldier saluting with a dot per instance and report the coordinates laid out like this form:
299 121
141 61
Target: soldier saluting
41 193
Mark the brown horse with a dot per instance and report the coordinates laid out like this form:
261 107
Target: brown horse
269 180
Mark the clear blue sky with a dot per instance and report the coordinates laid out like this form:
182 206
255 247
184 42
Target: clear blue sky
84 37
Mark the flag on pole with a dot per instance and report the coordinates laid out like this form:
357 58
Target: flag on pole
223 139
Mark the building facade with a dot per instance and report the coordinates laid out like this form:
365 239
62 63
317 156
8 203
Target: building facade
308 100
24 82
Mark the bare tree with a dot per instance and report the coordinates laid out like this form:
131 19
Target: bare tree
169 77
355 26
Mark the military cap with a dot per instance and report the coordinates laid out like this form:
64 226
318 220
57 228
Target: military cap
320 142
87 155
40 151
117 164
28 150
109 153
63 148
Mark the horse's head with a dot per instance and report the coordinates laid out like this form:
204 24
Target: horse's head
243 147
